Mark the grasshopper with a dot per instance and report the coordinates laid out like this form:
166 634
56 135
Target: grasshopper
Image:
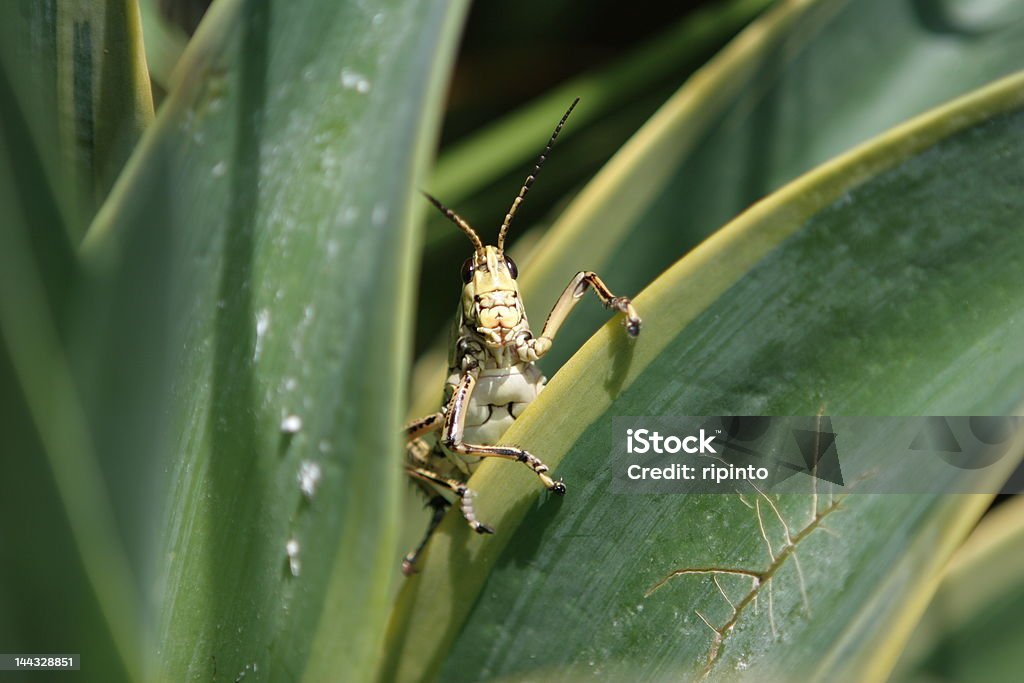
492 371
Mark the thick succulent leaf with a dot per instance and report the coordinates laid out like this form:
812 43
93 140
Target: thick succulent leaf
972 629
65 579
792 92
512 144
774 103
165 42
886 282
78 78
74 99
480 174
808 80
263 237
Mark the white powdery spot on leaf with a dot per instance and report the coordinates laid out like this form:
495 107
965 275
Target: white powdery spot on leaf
262 325
291 424
292 549
353 80
309 478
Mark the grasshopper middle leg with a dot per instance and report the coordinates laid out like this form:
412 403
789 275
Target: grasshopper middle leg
440 505
418 467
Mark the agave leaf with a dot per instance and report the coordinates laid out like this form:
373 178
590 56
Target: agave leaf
797 87
78 78
165 42
263 233
65 577
814 300
773 104
481 173
74 99
971 630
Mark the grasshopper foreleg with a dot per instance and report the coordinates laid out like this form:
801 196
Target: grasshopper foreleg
531 349
575 290
454 425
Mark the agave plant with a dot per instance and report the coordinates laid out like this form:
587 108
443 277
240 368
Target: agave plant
207 319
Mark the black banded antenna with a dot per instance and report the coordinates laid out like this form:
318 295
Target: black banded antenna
533 176
457 220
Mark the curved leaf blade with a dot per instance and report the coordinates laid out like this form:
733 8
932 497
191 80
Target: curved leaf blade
272 205
74 99
795 88
54 487
746 325
165 42
79 77
972 626
481 173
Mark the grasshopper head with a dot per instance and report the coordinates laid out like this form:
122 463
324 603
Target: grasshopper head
491 304
490 296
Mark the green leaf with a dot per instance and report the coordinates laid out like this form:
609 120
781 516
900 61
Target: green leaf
972 630
774 103
510 145
165 42
74 98
268 215
481 173
78 78
855 290
65 578
797 87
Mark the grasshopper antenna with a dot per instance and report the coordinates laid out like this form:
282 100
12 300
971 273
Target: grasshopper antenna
457 220
530 178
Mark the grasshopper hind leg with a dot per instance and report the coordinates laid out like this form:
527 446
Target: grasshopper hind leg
440 505
433 483
463 492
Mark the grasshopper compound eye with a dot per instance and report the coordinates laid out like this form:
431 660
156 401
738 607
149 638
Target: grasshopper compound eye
512 269
468 268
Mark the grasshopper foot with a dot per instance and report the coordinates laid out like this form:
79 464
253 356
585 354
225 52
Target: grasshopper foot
632 321
483 529
558 488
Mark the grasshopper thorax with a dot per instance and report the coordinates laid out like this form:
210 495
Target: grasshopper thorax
491 305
